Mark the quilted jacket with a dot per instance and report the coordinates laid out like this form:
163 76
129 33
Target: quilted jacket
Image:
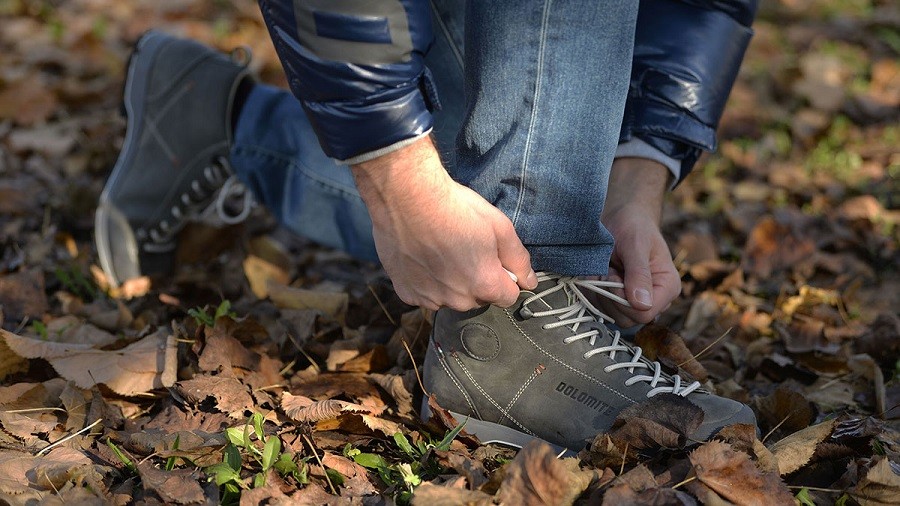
364 98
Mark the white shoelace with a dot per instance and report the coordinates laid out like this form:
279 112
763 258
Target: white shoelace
582 311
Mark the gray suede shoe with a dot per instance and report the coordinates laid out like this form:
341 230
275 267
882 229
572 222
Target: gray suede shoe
173 166
548 368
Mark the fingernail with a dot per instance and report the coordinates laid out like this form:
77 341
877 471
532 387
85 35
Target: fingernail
643 296
531 281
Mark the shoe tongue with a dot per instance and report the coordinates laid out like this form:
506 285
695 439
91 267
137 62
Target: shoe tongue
558 299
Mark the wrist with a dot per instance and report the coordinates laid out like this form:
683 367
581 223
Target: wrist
401 178
638 184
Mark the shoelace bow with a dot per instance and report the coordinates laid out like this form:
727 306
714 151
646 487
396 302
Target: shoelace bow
582 311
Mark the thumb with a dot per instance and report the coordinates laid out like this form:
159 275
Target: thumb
514 256
638 282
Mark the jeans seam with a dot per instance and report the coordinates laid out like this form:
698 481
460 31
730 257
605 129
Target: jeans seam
534 104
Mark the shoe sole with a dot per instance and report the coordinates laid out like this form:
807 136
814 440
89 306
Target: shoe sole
135 86
494 433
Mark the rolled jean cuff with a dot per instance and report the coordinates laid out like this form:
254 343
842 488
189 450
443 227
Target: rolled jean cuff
571 259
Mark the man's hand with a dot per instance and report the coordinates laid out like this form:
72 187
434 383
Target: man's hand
641 258
441 243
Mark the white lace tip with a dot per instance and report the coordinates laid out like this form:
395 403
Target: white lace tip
512 276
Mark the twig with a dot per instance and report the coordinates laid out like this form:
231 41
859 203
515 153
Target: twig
303 352
817 489
21 326
415 368
378 300
270 387
288 367
624 457
148 457
707 348
34 410
684 481
316 455
63 440
779 425
50 482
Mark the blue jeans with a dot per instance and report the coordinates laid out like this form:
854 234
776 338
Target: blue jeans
531 125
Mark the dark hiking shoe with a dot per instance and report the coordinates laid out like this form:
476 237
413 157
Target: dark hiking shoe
548 368
173 166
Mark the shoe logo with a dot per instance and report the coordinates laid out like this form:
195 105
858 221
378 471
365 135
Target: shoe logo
480 342
582 397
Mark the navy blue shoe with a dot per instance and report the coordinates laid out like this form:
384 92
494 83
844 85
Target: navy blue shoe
173 167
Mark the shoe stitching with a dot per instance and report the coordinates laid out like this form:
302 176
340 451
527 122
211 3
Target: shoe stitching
561 362
515 398
151 121
491 399
456 382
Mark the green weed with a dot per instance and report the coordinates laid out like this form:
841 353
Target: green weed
416 464
264 454
202 317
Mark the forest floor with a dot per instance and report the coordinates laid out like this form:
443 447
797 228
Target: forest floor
268 370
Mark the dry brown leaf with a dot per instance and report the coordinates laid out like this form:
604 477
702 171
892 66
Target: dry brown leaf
270 493
536 476
660 342
794 451
178 486
428 494
76 403
880 485
663 421
732 475
12 393
603 452
786 409
27 427
71 329
137 368
332 304
342 351
261 273
353 386
774 245
222 352
23 473
374 360
472 469
22 295
304 409
10 363
27 101
232 396
622 494
442 421
395 386
386 427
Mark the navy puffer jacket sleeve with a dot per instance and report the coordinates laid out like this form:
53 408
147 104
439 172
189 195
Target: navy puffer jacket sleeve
686 57
358 69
